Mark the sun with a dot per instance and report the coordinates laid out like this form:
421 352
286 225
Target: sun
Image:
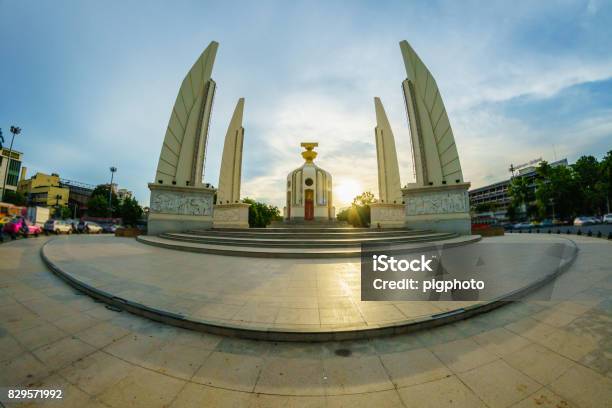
346 190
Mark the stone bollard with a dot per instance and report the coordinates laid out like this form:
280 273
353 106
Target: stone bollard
579 232
598 234
590 234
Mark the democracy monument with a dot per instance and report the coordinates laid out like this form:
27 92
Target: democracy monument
437 201
307 279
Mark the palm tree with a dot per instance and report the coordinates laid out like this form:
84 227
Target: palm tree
520 192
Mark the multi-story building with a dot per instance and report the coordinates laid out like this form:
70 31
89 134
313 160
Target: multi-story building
123 193
44 190
497 193
80 193
13 166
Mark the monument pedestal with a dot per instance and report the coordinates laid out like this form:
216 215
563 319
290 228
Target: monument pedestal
175 209
384 215
231 215
443 208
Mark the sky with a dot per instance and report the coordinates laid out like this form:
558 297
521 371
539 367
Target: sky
92 84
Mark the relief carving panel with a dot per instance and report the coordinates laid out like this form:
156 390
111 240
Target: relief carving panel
437 203
180 203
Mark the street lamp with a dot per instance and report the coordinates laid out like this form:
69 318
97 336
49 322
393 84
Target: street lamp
113 170
552 203
15 131
58 213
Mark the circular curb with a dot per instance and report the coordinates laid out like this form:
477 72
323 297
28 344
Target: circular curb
229 330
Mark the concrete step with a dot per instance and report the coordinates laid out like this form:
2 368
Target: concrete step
270 251
321 241
287 233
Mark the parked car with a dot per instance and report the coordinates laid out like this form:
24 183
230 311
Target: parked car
5 220
522 225
607 219
21 226
57 226
73 224
110 228
584 221
89 227
546 223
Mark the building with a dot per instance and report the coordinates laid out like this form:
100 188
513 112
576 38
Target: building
80 193
497 194
123 193
309 191
44 190
14 167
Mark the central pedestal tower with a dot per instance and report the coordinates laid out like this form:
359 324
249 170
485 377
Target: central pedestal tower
309 191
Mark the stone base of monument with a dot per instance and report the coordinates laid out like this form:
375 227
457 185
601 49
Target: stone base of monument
438 208
384 215
231 215
175 209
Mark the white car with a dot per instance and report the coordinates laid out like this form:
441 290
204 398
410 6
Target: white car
607 219
92 228
584 221
57 227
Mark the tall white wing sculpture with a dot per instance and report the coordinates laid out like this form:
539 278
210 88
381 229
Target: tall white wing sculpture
436 160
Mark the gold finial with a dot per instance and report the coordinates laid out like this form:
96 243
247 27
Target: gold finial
309 155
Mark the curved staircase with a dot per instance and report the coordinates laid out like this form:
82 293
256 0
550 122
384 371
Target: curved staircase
295 242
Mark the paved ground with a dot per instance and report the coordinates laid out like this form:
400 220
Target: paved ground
270 294
539 354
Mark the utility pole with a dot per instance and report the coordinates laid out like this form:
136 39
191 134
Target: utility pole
113 169
15 131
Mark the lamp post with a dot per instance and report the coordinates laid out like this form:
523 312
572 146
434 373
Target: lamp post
15 131
58 213
113 169
552 203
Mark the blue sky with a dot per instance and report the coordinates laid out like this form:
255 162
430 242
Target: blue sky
92 84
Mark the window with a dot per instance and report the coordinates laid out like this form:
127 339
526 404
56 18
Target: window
13 172
308 182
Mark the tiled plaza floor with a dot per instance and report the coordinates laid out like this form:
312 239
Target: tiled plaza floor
527 354
264 293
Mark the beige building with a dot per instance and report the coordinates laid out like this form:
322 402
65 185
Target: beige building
44 190
123 193
14 167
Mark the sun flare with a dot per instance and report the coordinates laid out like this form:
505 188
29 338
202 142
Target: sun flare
346 190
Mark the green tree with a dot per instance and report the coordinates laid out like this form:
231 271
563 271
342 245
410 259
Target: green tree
14 197
358 214
605 181
557 192
97 206
587 171
485 207
365 198
343 214
65 212
130 211
102 190
520 194
261 214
